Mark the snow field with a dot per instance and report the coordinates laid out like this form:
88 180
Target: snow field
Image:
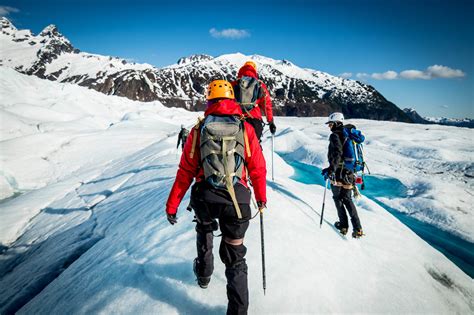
63 139
96 239
435 163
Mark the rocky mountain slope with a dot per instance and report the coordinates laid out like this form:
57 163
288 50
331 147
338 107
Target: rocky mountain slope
415 117
295 91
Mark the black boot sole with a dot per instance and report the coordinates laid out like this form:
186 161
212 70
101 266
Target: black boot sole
203 282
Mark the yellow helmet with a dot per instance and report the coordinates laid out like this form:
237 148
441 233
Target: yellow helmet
220 89
252 64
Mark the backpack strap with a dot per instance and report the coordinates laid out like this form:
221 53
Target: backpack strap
228 177
244 107
343 159
195 134
246 142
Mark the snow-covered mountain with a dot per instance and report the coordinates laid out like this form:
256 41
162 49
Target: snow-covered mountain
295 91
465 122
416 118
51 56
84 231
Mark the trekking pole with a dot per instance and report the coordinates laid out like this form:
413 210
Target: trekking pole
263 253
273 151
324 201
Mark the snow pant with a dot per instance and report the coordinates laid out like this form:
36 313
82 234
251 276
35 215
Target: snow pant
232 256
257 125
343 200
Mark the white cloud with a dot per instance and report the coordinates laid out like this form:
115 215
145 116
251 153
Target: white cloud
438 71
432 72
346 75
388 75
362 76
414 74
6 10
230 33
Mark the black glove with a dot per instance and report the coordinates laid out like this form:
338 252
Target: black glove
273 128
171 218
326 172
261 205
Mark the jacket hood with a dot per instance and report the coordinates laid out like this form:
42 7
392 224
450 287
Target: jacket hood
223 107
247 71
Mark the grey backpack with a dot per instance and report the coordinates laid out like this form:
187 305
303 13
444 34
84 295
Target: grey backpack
222 153
247 92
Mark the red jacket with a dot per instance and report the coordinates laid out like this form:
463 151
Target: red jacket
264 103
190 164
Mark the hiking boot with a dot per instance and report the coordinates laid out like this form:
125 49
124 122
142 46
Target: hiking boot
357 233
203 282
342 230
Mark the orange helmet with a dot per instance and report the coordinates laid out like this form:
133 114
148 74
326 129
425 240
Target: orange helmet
220 89
252 64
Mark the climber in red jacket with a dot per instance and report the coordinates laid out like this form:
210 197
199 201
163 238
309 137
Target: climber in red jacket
253 96
221 152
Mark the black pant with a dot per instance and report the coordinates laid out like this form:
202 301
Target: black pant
257 125
343 200
231 255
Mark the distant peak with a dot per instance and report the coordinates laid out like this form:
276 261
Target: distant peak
6 24
50 30
193 58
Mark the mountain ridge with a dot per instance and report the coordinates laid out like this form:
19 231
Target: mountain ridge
295 91
456 122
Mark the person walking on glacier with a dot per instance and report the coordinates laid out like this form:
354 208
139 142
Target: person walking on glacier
342 178
253 97
182 137
222 152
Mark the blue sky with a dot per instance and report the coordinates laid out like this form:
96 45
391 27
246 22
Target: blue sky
374 41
